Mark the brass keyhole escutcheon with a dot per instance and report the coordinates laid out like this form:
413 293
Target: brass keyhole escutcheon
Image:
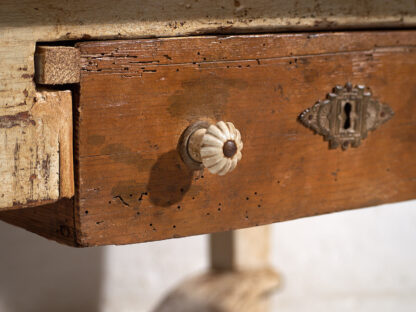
346 116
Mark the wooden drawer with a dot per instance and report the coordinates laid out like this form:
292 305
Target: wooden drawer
136 98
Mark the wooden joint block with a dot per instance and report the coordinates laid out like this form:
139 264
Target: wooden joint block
57 65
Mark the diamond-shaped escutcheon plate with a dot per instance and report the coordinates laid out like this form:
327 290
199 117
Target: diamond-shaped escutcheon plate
346 116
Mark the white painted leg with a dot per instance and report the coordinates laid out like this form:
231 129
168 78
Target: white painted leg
241 278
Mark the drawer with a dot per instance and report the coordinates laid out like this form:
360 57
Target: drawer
137 97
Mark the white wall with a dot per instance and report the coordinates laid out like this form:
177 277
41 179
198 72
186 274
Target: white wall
363 260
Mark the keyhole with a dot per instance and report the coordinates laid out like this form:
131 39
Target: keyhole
347 111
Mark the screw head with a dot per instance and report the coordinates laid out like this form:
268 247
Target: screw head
229 149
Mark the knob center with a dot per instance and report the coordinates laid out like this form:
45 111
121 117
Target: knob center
229 149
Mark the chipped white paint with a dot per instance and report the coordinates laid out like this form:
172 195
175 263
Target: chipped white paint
23 23
30 162
29 166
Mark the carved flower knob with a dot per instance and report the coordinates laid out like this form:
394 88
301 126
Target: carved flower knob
215 147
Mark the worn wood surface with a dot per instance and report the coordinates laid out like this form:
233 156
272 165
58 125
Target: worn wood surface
56 65
243 291
137 97
53 221
36 164
240 278
240 250
25 23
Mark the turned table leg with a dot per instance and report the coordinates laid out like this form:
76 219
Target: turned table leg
241 277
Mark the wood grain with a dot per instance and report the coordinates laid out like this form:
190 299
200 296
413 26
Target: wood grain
36 161
26 23
56 65
53 221
240 276
238 291
138 96
241 250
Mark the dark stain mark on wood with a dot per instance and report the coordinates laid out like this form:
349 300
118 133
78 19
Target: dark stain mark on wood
96 139
195 190
64 231
20 119
169 180
46 163
206 97
121 154
27 76
335 174
310 75
281 92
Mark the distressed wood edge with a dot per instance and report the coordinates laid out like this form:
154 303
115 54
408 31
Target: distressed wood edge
24 29
53 221
56 111
50 122
57 65
66 149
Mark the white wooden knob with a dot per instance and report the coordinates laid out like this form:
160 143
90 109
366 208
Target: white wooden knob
215 147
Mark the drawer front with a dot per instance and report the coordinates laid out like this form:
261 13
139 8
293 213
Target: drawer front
137 97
